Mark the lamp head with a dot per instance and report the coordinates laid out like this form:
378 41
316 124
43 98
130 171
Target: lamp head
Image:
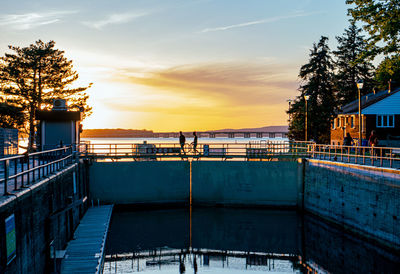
360 84
306 97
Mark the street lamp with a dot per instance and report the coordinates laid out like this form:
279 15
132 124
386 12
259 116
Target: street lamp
290 103
306 97
360 85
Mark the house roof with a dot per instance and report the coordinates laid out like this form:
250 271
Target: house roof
371 99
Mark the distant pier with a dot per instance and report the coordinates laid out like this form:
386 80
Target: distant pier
226 134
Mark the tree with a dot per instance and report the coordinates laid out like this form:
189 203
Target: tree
36 75
11 116
382 22
317 82
388 70
349 68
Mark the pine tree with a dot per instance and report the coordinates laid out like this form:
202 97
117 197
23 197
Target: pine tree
317 82
349 68
33 76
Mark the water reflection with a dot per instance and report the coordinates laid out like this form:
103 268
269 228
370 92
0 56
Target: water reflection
220 240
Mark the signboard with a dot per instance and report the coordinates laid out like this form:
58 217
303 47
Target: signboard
162 150
10 238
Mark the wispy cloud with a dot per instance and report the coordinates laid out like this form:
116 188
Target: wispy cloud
257 22
32 20
227 83
120 18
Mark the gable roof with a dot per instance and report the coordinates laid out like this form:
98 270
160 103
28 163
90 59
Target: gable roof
371 99
388 105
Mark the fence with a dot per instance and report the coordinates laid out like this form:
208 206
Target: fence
374 156
17 172
160 151
258 150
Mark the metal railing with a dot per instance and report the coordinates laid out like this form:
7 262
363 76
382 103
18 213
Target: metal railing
20 171
373 156
257 150
160 151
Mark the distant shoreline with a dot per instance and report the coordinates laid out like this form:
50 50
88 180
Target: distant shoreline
135 133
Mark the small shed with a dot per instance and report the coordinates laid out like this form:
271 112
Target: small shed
58 127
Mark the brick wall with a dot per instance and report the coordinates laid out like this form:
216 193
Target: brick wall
348 124
365 201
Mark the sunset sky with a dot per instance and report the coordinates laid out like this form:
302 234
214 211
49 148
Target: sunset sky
180 65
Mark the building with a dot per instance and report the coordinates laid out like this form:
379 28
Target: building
58 126
8 141
379 111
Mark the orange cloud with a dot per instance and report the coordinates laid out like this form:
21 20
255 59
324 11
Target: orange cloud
227 83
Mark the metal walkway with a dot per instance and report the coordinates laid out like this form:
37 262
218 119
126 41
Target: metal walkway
85 253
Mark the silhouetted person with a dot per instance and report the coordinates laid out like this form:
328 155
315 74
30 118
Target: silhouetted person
373 142
182 140
194 142
348 141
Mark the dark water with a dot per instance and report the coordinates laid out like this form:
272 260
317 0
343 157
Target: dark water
221 240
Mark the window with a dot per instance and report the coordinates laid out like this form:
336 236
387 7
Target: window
352 121
384 120
334 124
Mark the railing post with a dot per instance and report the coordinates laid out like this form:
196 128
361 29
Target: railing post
28 169
15 173
22 170
6 163
33 167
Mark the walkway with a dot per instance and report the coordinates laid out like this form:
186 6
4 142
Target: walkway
85 253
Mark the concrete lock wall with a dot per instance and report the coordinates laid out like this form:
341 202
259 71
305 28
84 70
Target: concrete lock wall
246 183
362 199
41 219
236 183
147 182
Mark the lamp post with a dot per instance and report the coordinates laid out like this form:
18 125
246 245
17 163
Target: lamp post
290 103
360 85
306 97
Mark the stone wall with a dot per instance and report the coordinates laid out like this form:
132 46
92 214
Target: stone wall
42 215
364 199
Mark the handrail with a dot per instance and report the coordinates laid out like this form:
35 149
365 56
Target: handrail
158 151
26 169
381 156
364 155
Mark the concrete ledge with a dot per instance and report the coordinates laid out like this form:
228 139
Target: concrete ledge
357 166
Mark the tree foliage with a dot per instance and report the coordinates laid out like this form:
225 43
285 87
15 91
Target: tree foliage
11 116
388 70
32 77
317 82
348 68
382 22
